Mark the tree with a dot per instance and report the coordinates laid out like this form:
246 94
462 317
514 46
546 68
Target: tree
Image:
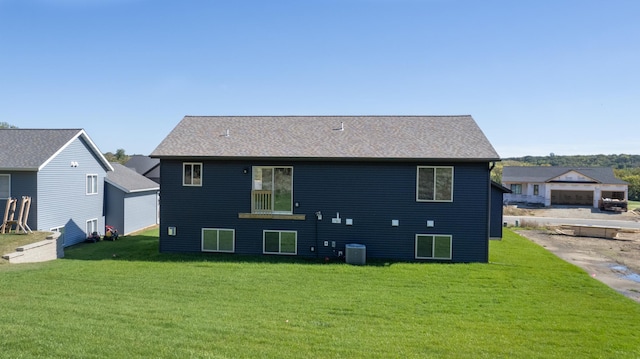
631 176
120 156
7 125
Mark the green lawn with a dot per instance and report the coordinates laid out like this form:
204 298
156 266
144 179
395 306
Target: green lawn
631 205
123 299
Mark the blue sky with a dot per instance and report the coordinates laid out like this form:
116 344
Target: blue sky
539 76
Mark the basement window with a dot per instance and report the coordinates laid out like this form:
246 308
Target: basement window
280 242
433 246
92 226
218 240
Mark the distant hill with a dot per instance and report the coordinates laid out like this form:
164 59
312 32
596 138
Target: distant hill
615 161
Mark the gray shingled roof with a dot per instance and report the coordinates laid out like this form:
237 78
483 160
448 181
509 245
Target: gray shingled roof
129 180
29 149
541 174
142 164
374 137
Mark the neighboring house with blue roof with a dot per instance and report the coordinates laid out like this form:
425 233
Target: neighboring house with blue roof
132 200
550 185
62 171
405 187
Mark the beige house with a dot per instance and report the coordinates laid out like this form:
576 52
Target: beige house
547 185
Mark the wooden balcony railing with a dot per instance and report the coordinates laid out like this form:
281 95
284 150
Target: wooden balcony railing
261 202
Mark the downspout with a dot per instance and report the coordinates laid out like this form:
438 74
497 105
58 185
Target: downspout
318 217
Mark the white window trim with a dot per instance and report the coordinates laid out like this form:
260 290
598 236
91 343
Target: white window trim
434 244
434 184
184 164
273 197
95 184
87 226
218 230
9 177
280 242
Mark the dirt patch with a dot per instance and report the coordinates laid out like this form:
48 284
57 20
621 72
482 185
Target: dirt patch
615 262
571 212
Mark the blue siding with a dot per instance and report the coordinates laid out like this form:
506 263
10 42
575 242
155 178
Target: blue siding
130 212
140 211
496 212
114 207
372 194
23 184
62 192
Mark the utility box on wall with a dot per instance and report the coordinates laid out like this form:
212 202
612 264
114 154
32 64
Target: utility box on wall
355 254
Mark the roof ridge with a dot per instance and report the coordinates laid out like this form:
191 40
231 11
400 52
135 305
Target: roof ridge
308 116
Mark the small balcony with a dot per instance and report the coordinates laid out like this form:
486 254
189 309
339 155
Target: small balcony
262 208
261 202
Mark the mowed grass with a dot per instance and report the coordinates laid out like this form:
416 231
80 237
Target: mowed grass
633 205
124 299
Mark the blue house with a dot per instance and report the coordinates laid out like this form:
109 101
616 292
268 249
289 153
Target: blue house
62 171
131 200
497 199
400 187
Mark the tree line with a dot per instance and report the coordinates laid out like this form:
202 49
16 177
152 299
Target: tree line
625 167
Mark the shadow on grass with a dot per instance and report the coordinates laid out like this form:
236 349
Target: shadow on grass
145 248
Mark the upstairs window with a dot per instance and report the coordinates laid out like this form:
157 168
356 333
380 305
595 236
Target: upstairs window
5 186
272 191
192 174
434 184
92 184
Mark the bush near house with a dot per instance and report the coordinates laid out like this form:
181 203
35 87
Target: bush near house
124 299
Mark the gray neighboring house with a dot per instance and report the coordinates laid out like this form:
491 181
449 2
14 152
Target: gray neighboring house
146 166
63 172
131 200
549 185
